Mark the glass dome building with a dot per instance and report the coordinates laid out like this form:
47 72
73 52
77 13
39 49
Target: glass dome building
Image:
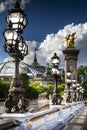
7 69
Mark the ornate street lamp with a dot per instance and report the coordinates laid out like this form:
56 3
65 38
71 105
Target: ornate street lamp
16 47
68 82
74 88
55 72
81 93
78 93
16 18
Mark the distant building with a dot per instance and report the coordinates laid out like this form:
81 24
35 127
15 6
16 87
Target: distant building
35 71
7 70
36 65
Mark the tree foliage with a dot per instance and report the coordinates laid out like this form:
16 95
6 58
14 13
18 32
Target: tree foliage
32 90
82 73
61 88
82 78
25 79
4 88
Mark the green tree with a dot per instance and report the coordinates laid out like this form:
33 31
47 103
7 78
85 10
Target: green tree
82 78
4 88
25 79
49 89
85 88
37 86
81 70
61 88
33 90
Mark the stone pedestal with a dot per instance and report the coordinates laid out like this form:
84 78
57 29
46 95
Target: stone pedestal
71 57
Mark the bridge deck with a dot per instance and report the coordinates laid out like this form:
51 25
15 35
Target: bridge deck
79 122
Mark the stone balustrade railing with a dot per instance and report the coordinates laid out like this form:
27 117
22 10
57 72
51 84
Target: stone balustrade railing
45 120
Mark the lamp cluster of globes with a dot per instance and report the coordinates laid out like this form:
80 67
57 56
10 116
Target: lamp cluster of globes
75 85
55 64
14 42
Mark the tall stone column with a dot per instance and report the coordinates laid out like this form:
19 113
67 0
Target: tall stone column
71 57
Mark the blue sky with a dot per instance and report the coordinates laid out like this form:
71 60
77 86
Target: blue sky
48 16
48 20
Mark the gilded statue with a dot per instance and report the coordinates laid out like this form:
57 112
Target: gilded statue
70 39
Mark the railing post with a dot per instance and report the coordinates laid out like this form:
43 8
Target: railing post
46 119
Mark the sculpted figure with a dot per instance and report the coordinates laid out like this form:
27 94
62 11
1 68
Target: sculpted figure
70 39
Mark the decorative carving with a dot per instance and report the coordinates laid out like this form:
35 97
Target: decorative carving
57 100
15 104
28 123
15 101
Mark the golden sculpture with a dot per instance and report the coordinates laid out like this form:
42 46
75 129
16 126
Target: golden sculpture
70 39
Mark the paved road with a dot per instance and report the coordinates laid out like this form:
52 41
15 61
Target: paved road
79 122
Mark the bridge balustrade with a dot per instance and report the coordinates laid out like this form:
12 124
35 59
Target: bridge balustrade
44 120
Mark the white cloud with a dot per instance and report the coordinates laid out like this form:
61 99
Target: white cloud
23 2
7 59
2 7
9 3
31 49
54 43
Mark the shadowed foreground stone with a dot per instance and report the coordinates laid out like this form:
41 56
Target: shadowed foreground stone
6 125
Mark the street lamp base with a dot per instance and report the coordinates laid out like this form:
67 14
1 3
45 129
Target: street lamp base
57 99
69 99
15 102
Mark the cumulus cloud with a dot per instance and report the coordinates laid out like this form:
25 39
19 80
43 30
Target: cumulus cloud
7 59
9 3
2 7
31 49
54 43
23 2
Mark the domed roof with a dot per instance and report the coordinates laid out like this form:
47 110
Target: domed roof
7 69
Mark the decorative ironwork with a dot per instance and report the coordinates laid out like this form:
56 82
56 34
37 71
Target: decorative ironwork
16 47
56 99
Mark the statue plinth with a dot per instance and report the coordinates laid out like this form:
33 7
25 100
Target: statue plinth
71 57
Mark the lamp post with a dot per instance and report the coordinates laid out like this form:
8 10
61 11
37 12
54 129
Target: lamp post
78 87
55 72
68 82
74 88
16 47
81 93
